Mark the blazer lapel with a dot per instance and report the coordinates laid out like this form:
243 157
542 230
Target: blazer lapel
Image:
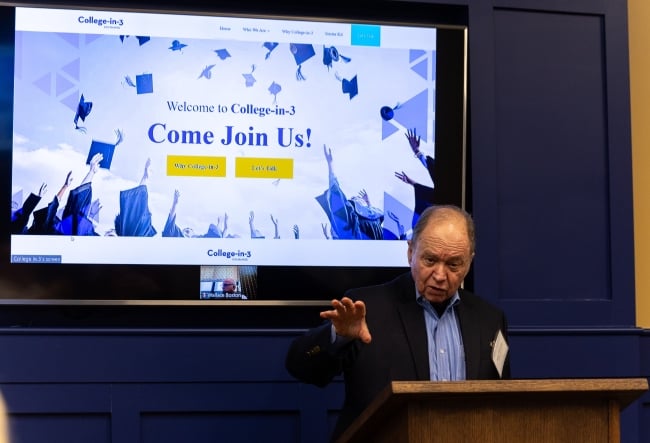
469 330
416 332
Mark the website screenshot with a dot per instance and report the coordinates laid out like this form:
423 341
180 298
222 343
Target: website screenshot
146 138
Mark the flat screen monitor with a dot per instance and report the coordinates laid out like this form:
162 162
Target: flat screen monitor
143 149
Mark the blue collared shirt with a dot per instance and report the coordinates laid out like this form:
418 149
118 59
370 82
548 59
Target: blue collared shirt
445 344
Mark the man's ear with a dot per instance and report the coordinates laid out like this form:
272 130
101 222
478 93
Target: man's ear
469 265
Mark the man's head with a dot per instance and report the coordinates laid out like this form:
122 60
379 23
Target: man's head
229 286
440 251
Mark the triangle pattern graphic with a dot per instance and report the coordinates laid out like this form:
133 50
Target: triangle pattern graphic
44 83
62 84
404 214
387 129
413 114
71 39
73 69
414 54
71 101
421 68
92 37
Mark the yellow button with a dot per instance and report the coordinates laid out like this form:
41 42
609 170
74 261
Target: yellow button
196 166
247 167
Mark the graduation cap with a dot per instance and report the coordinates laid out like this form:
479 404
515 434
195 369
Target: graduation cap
207 72
350 87
275 89
301 53
270 46
250 80
222 53
331 54
106 149
83 109
177 45
387 113
144 83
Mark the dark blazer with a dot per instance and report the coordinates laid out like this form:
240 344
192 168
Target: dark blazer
398 350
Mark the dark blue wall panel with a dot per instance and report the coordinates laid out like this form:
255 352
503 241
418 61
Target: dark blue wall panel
558 159
123 398
558 204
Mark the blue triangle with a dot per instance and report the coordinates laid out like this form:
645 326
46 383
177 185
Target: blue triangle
421 68
414 113
73 69
62 84
387 129
92 37
415 54
44 83
71 101
71 39
401 210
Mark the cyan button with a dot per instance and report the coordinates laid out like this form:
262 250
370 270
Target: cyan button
366 35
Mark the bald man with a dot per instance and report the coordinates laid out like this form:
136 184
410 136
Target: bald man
229 286
419 326
230 290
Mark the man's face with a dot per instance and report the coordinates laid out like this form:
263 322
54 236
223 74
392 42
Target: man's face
440 259
229 286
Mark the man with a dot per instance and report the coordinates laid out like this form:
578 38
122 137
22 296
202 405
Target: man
229 286
230 290
420 326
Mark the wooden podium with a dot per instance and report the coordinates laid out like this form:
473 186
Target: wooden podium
504 411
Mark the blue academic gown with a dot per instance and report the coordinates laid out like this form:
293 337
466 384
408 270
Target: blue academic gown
134 219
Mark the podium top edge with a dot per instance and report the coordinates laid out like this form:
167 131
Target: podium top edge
637 385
